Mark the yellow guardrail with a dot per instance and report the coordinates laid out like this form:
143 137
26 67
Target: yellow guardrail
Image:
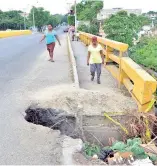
139 83
4 34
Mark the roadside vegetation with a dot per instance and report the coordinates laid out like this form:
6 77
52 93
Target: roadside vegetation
14 19
87 11
145 52
123 27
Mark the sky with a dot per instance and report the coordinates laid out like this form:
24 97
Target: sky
61 6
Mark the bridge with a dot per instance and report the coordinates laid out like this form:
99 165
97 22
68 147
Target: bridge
138 82
26 73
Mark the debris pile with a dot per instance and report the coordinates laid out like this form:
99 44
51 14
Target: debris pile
131 153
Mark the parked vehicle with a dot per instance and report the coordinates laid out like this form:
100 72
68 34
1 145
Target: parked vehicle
66 29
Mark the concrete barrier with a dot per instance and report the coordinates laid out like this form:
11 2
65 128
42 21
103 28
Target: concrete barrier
4 34
73 63
139 83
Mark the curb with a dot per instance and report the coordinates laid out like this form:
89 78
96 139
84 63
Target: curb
5 34
73 63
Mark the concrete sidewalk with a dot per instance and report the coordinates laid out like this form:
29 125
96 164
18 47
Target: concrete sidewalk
107 81
108 85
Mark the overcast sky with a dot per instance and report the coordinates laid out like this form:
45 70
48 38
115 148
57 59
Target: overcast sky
60 6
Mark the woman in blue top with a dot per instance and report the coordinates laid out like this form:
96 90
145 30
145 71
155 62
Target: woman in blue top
50 37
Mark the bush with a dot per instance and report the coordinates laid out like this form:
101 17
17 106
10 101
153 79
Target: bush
83 28
123 27
93 29
145 52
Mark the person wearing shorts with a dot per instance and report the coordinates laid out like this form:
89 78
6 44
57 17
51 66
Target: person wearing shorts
95 58
51 37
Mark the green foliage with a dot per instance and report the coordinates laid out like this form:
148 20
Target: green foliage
153 157
123 27
145 52
57 19
83 28
91 149
11 20
14 20
71 20
120 146
93 29
87 10
133 145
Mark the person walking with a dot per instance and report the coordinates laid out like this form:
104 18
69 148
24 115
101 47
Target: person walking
77 35
51 37
95 58
72 32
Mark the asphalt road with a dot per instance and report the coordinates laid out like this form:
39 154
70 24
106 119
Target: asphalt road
19 57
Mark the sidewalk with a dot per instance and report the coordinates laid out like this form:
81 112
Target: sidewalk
108 85
47 73
107 81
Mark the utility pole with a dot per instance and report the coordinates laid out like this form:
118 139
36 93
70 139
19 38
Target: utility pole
75 17
25 20
33 19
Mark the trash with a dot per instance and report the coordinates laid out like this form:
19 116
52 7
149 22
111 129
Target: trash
126 155
149 148
152 157
95 156
121 158
105 153
138 151
146 162
131 142
121 153
119 146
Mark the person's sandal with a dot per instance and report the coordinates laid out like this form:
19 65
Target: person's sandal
98 82
92 78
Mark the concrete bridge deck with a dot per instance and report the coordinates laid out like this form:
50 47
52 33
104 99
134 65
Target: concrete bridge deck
24 73
108 86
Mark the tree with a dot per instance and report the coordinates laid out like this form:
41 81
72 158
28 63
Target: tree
123 27
11 20
71 20
14 19
41 16
87 11
144 52
64 19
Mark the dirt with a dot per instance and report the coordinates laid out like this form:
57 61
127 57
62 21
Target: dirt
73 100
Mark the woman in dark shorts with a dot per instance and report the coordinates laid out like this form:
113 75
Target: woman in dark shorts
50 37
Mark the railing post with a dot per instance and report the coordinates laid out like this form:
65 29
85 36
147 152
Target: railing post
120 69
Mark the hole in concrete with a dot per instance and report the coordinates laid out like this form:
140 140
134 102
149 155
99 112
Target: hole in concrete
94 129
55 119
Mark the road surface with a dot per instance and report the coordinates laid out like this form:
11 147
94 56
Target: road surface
24 69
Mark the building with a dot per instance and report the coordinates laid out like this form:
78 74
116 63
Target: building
106 13
79 23
151 15
24 14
